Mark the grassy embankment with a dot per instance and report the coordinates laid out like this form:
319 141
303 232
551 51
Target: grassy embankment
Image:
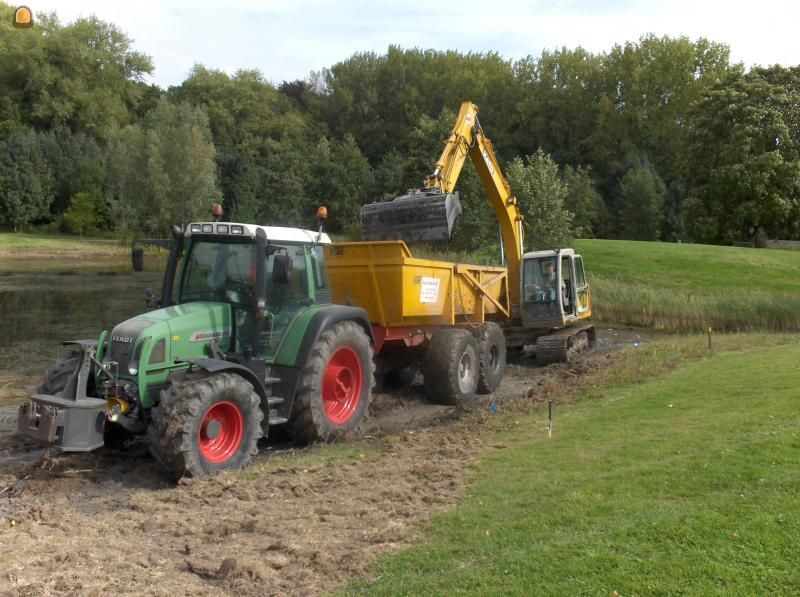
45 252
685 287
18 244
684 483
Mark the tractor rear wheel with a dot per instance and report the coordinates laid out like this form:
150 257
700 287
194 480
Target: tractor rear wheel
451 366
204 424
492 354
335 385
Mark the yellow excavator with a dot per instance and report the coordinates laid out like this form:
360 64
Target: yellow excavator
548 293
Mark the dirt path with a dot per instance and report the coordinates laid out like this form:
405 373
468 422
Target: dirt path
110 522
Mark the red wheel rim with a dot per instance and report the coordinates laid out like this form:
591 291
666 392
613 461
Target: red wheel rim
341 386
220 433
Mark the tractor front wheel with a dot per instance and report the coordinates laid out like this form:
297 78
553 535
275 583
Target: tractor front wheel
204 424
57 376
335 385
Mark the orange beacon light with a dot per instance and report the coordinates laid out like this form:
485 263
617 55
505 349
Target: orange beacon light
23 17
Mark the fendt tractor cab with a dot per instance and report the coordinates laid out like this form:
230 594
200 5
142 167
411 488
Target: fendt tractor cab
244 337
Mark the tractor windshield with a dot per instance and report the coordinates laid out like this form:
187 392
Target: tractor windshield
219 271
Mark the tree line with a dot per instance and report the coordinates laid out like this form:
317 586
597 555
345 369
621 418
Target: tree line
660 138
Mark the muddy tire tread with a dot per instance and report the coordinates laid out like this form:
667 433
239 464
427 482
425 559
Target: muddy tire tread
489 379
308 422
440 367
172 433
57 376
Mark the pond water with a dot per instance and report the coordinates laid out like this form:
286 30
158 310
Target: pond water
42 306
613 338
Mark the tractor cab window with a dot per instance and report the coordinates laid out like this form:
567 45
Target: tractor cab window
540 289
287 280
219 271
287 291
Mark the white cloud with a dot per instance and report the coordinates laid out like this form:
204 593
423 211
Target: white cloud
286 40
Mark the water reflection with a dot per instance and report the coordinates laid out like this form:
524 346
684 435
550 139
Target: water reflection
41 308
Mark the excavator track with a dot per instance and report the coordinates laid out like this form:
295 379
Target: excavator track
422 216
564 345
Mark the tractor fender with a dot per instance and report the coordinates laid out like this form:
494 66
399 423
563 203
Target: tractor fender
218 366
325 318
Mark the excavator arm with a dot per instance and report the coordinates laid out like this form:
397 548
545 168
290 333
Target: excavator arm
429 213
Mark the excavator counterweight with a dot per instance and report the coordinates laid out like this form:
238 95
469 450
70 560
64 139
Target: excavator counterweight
421 216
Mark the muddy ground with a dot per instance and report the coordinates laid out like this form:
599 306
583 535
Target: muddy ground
299 521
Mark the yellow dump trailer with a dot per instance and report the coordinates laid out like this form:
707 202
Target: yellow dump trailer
435 315
398 290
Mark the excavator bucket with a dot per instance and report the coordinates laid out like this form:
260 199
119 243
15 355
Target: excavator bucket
420 216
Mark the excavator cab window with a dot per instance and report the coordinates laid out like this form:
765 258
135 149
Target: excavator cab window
541 300
581 287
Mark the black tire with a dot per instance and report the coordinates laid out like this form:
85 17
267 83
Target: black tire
184 432
327 411
451 366
57 376
492 355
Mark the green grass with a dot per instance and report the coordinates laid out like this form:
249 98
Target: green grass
18 241
684 484
42 253
685 287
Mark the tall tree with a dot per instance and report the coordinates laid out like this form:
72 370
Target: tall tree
84 75
26 181
743 158
639 203
163 172
249 120
541 195
584 202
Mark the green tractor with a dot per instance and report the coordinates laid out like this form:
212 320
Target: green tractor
244 337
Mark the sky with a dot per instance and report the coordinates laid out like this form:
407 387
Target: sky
287 40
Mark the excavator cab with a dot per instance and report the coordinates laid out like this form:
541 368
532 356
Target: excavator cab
554 288
422 215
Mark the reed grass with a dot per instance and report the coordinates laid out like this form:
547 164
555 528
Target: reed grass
675 310
683 287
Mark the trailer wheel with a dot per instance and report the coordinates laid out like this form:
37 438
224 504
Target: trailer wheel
492 354
57 376
204 424
451 366
335 385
